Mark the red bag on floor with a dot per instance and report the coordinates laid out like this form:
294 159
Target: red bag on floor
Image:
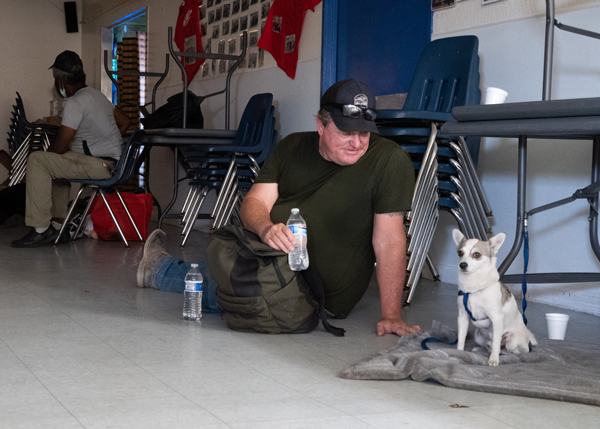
140 207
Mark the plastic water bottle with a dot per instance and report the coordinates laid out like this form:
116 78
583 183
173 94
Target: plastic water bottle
192 295
298 258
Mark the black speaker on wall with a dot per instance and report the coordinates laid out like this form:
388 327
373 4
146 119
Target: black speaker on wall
71 16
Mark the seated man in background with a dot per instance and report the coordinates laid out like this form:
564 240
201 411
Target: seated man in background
88 146
352 188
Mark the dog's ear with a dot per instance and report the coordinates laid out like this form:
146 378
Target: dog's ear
496 241
458 236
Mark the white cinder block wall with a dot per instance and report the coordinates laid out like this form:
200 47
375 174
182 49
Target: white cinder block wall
511 37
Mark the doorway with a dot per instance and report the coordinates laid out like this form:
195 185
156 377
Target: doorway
125 42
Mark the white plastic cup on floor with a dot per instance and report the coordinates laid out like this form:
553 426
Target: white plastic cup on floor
557 325
495 95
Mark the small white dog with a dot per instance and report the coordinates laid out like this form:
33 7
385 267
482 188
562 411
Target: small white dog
486 302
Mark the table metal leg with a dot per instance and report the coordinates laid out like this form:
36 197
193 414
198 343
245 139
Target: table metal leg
175 186
521 193
593 219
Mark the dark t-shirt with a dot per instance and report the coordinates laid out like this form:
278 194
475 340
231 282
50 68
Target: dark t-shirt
338 204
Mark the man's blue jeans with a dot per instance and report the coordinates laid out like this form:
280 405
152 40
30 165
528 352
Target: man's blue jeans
170 277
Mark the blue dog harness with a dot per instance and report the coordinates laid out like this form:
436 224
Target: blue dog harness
465 303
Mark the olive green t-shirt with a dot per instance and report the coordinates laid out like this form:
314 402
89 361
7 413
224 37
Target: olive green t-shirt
338 204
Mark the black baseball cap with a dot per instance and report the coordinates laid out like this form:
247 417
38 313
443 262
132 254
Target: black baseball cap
69 62
349 91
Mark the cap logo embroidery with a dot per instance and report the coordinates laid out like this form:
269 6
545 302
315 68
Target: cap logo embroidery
361 100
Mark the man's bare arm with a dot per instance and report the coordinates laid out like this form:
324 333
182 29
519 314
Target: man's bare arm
389 243
63 140
123 121
256 216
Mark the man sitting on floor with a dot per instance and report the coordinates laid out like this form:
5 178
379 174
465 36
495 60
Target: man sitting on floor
88 146
352 188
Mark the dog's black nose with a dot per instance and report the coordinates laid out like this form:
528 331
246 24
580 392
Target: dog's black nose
463 265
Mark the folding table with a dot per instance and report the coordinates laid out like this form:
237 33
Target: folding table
573 119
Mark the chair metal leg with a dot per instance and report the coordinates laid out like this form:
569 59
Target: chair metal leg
190 224
232 205
469 180
228 177
112 215
129 214
220 220
459 220
466 221
194 195
186 203
86 211
224 198
430 148
486 205
417 273
70 212
422 195
416 244
432 268
470 210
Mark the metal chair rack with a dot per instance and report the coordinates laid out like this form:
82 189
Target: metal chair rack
138 73
237 58
145 155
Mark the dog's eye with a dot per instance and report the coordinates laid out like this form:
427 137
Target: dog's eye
460 253
476 255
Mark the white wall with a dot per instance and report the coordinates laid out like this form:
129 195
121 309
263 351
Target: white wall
511 37
296 101
32 34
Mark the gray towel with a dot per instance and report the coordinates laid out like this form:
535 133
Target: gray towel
558 370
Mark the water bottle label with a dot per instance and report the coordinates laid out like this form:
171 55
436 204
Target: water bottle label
298 229
193 286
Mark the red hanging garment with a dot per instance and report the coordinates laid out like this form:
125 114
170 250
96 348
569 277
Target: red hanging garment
283 29
188 37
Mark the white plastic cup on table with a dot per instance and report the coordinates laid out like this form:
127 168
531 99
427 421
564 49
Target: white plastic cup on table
557 325
495 95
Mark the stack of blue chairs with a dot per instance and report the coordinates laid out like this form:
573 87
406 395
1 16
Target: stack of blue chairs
229 170
447 75
25 137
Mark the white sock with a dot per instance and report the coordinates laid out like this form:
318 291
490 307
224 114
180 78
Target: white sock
57 226
41 230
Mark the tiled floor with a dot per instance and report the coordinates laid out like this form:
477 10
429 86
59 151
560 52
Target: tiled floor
82 347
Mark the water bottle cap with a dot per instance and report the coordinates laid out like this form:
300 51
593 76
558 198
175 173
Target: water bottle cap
194 265
295 211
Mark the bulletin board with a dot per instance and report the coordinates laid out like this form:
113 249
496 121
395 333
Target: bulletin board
222 23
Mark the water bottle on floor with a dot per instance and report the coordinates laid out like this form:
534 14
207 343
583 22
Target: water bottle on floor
298 258
192 295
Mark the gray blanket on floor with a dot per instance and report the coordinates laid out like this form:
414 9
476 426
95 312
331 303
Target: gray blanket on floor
558 370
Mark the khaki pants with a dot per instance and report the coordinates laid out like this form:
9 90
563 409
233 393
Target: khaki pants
46 197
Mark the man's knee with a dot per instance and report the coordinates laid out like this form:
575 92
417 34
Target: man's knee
37 158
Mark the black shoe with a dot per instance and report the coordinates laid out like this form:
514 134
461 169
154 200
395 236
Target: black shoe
65 237
35 239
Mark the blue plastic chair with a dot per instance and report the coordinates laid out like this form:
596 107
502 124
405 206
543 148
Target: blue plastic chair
124 171
218 164
447 75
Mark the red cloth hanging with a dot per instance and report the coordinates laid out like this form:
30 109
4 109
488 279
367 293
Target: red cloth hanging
281 36
188 37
